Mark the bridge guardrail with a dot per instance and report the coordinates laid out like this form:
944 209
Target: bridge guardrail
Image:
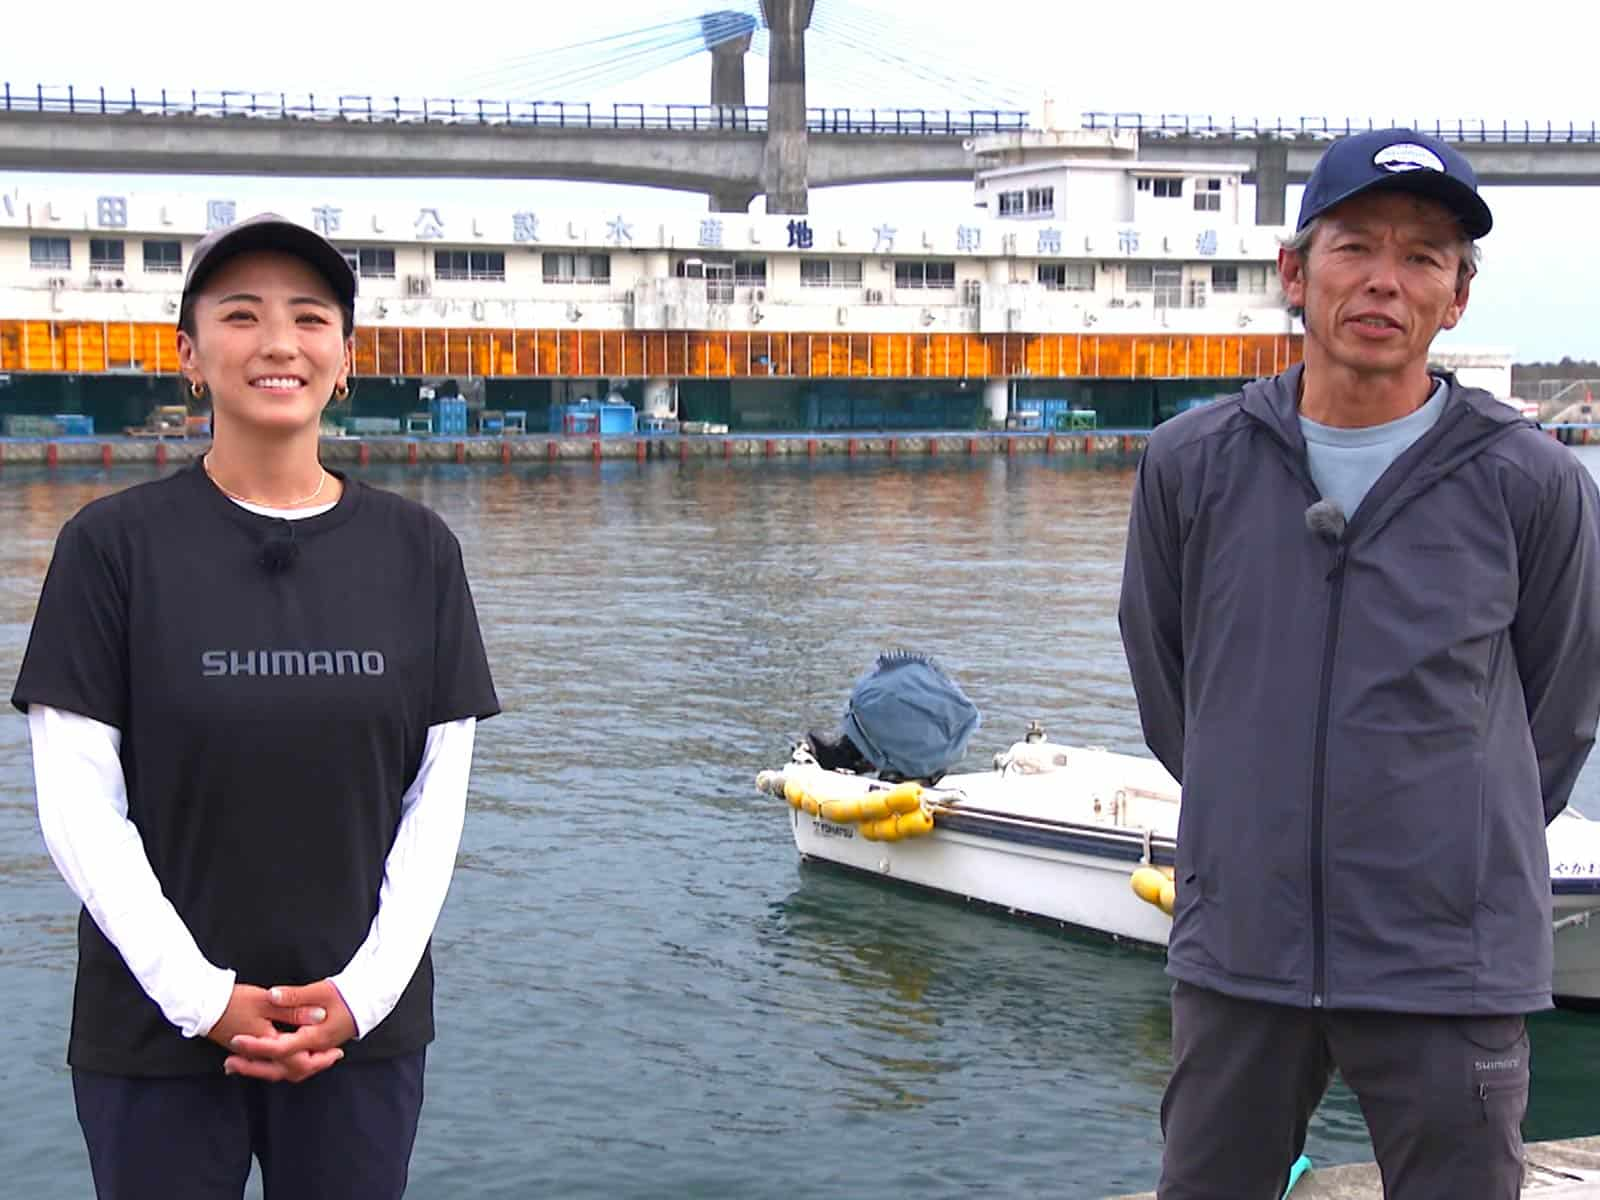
561 114
897 122
1326 128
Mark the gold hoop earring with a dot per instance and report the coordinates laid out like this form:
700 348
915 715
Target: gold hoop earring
341 391
197 390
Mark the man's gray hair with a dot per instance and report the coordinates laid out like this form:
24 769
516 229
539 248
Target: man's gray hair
1300 244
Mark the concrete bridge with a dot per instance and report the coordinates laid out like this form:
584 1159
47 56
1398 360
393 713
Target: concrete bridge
1556 164
1507 153
723 150
700 148
727 149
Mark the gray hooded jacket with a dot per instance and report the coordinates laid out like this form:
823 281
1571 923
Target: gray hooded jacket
1371 730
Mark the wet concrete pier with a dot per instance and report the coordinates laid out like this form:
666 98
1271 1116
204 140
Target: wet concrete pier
1564 1170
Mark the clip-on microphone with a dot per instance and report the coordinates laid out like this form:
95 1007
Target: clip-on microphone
280 550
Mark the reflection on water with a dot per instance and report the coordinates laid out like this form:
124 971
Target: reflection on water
641 993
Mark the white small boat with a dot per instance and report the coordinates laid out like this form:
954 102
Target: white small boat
1061 832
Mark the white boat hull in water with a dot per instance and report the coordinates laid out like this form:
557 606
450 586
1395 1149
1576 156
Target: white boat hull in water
1056 832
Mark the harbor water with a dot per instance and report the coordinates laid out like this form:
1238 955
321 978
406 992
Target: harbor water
641 992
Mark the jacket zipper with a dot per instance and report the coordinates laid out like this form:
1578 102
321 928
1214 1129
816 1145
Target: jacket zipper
1319 786
1319 779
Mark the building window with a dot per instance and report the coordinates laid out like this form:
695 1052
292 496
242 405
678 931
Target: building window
106 254
722 274
1232 278
1163 283
925 275
372 262
1010 204
1067 277
577 268
1041 201
50 253
824 272
164 258
1161 188
469 264
1208 195
725 270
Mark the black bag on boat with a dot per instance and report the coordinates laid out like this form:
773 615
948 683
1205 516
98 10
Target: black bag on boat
908 718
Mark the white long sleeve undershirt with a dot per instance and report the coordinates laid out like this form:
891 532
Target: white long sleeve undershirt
83 812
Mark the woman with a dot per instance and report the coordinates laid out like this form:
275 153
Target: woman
252 689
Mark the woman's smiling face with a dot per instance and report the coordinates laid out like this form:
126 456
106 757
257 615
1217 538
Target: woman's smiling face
268 340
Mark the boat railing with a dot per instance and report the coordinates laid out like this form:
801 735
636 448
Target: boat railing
1575 920
1133 843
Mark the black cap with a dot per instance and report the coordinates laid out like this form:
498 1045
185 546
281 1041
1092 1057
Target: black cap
1399 160
269 231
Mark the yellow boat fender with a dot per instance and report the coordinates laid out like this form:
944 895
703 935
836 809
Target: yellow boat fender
914 824
841 812
1154 886
897 826
886 815
875 806
903 798
882 830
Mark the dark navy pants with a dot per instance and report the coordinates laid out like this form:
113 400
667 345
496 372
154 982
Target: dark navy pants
345 1134
1443 1097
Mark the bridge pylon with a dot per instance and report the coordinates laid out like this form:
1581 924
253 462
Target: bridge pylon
783 175
728 35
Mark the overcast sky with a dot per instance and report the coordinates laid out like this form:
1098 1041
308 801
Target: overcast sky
1409 60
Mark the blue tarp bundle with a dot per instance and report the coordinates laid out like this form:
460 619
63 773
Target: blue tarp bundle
908 718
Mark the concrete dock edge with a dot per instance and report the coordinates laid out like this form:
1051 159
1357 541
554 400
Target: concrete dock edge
1556 1170
109 451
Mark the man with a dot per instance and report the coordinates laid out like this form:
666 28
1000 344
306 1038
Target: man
1361 609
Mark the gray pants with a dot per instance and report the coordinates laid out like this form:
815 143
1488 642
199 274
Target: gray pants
1443 1097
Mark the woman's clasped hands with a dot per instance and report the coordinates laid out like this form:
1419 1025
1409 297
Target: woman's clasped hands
252 1029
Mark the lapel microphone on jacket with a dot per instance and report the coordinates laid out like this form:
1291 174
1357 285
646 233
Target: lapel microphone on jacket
1326 519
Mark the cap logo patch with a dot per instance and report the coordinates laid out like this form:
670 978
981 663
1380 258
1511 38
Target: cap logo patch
1408 156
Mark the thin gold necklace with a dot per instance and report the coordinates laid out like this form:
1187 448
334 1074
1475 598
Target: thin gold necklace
205 463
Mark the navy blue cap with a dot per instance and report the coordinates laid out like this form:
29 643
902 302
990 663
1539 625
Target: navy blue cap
1400 160
907 716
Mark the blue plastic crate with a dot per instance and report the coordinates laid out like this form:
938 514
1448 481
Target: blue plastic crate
449 415
75 424
617 418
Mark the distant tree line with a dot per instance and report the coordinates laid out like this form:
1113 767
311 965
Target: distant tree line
1567 368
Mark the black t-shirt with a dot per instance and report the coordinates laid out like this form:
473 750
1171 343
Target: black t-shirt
271 723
